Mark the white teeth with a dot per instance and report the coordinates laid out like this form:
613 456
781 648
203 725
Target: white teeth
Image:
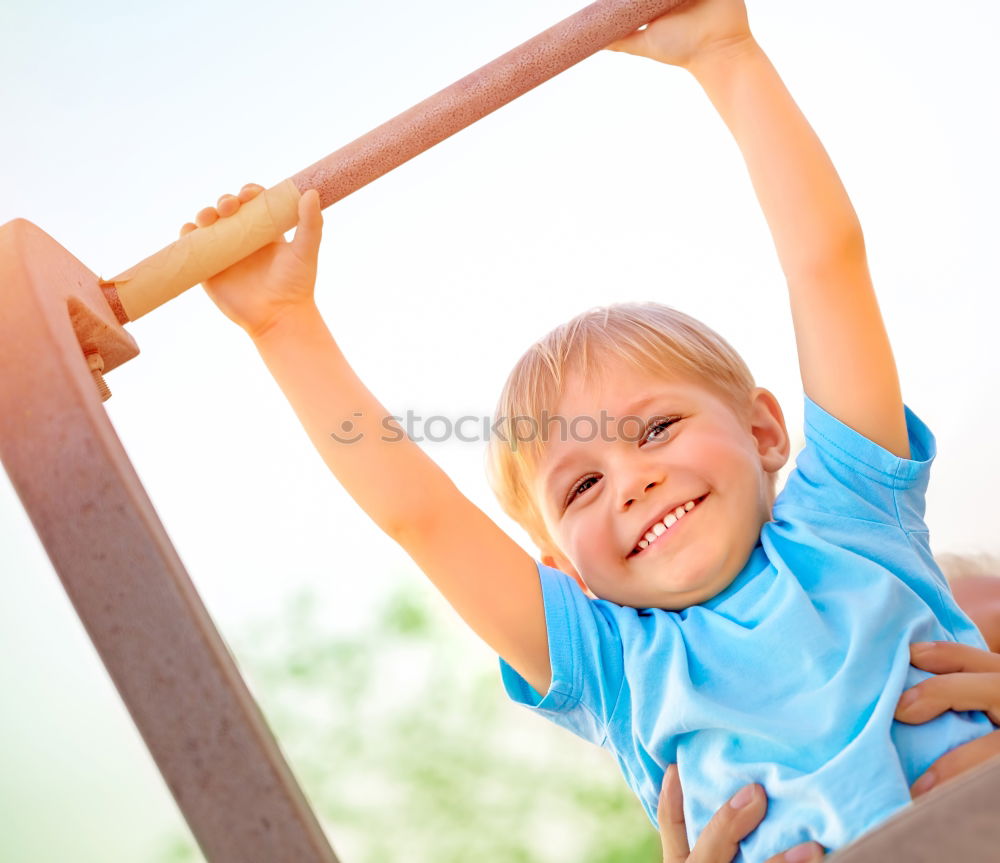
660 528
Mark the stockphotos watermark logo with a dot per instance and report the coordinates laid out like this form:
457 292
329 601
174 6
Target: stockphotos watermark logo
517 430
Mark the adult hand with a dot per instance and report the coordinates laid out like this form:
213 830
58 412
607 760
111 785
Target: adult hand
966 679
719 841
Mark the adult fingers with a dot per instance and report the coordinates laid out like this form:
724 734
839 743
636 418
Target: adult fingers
719 841
960 759
807 852
951 691
945 657
670 817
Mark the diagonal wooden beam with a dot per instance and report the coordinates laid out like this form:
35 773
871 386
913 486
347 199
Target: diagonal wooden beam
122 574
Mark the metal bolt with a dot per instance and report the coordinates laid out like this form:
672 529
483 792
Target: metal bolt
96 363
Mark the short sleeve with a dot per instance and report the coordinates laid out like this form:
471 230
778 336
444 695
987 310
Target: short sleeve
586 657
841 472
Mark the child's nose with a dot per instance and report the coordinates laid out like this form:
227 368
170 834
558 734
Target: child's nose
637 489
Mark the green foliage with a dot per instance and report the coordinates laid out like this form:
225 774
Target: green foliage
409 752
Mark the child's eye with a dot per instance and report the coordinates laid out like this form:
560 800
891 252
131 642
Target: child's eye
580 487
657 428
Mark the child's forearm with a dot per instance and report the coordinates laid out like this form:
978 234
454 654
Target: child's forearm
806 206
485 575
845 357
388 475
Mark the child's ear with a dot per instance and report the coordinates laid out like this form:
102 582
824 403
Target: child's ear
767 425
555 560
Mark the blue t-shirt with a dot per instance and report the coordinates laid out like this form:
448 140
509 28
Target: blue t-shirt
791 675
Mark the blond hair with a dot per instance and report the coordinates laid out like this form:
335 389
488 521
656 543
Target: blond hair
652 337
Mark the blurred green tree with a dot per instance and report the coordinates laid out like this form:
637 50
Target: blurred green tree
409 752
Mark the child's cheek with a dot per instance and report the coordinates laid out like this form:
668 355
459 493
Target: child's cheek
713 455
589 541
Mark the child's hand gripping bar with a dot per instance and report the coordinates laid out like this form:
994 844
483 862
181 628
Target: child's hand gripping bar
207 251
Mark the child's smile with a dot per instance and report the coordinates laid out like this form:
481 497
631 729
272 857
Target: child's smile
664 526
665 513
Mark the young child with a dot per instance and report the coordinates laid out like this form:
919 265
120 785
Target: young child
746 638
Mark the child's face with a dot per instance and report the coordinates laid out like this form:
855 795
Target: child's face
600 497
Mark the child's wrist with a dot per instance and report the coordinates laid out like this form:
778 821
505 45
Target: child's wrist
288 319
727 53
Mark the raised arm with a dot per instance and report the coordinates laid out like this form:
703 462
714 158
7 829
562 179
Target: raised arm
845 357
486 576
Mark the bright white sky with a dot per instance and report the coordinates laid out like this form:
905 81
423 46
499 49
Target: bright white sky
616 181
